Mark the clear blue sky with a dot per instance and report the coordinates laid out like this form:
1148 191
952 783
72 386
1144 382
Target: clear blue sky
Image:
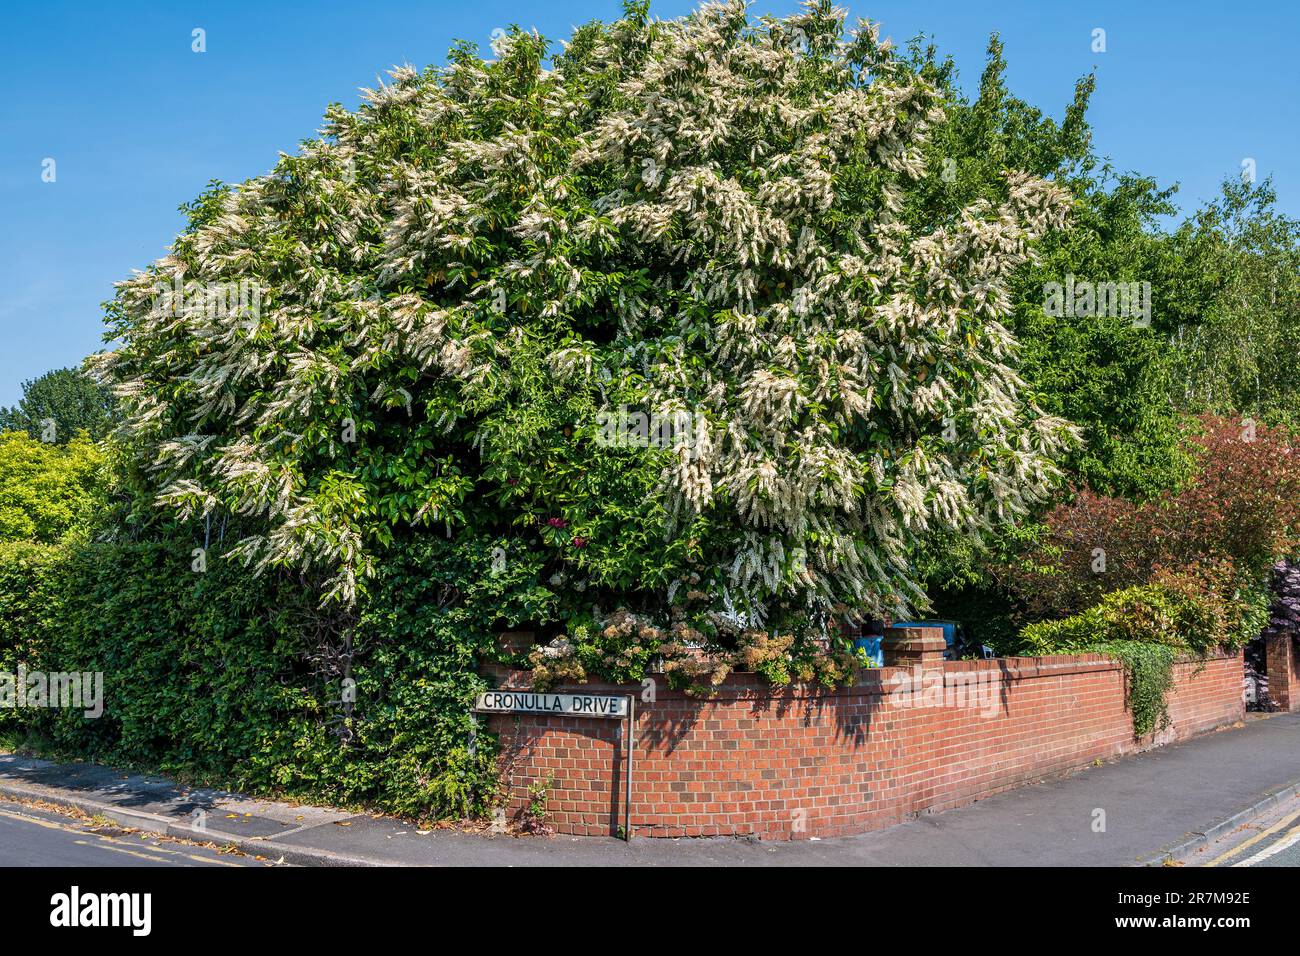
137 123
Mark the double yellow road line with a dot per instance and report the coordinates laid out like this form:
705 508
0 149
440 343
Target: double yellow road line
154 853
1291 837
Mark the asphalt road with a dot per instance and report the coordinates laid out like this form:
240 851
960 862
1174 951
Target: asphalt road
1287 855
1270 840
31 836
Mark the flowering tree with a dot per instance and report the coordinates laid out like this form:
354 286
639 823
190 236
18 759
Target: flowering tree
442 298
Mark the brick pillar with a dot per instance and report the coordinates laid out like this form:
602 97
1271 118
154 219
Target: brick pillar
913 647
1283 679
516 642
509 643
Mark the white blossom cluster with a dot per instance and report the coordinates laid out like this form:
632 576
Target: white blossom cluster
708 212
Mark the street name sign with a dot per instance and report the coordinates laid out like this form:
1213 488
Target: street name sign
575 705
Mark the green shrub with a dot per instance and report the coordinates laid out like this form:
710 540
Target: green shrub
1066 636
1139 627
222 679
28 605
1196 610
1148 626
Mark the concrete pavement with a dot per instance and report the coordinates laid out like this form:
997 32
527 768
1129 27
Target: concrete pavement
1133 810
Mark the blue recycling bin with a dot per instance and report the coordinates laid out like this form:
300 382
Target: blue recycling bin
870 643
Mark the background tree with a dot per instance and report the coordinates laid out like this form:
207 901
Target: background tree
1237 306
1113 377
69 399
48 491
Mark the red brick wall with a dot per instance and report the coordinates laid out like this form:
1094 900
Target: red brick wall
801 762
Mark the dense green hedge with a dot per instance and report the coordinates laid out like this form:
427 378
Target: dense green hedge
219 678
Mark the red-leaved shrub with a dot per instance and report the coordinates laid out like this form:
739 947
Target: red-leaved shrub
1238 515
